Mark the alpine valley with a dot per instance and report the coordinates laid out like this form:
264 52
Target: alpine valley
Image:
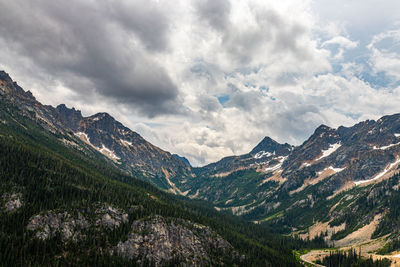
89 191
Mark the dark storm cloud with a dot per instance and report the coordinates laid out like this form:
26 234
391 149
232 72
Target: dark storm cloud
215 13
146 20
104 44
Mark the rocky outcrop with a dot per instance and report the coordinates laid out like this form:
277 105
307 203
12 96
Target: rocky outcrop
152 241
49 224
158 240
12 201
110 217
100 216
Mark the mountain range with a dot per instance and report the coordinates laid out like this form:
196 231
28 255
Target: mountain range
340 185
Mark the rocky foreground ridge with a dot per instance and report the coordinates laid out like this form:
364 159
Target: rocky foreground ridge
154 240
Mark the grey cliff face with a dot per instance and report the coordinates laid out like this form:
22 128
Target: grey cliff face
158 240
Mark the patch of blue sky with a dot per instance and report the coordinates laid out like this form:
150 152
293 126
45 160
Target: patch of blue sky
366 73
153 124
223 99
377 80
354 116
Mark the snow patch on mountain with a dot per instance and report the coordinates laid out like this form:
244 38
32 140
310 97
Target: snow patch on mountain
305 164
332 148
263 154
335 170
108 153
126 143
273 168
282 159
379 175
385 147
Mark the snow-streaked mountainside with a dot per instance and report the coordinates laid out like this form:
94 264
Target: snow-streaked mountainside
344 178
101 132
120 144
335 183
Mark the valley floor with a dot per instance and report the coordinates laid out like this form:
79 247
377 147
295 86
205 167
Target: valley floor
367 250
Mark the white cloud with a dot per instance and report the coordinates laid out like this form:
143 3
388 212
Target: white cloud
385 55
341 41
274 61
343 44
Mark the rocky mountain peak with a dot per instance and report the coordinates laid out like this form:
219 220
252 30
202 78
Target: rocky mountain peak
64 109
119 143
102 115
322 129
70 116
104 120
271 146
104 123
324 132
322 137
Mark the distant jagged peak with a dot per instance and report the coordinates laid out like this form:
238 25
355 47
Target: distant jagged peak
69 116
268 145
64 109
106 122
323 135
72 114
322 129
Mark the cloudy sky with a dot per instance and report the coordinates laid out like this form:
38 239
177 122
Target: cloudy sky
209 78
